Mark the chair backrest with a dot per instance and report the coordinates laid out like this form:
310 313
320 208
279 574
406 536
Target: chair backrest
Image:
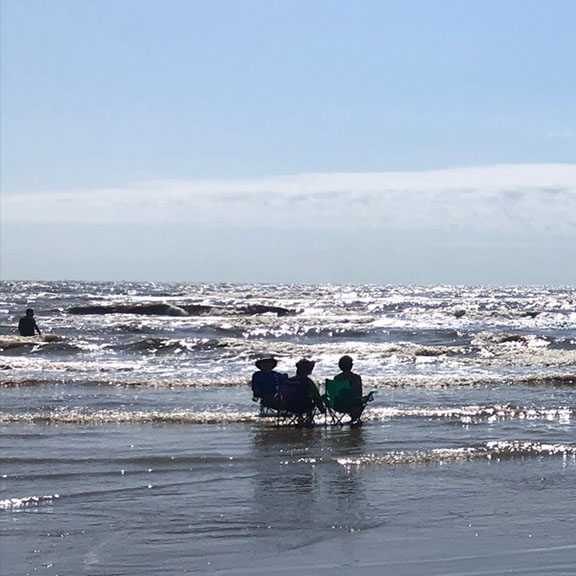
266 383
338 395
294 396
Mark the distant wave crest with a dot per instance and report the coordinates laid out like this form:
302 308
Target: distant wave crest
27 502
174 310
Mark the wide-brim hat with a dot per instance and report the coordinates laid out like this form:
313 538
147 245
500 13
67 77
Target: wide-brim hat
266 361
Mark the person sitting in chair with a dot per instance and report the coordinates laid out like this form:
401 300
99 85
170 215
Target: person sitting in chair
308 397
265 382
357 402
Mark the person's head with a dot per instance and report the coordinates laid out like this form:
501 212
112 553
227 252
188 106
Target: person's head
345 363
29 312
266 364
304 367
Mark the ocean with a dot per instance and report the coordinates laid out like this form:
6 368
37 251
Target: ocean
130 443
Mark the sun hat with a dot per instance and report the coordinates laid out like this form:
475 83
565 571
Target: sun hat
266 361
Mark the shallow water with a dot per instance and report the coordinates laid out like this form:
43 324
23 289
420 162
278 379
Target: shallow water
180 498
130 444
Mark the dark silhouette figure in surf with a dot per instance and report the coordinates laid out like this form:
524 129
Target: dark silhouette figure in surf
27 324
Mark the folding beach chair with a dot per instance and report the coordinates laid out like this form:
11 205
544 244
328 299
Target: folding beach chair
265 390
340 400
294 402
267 411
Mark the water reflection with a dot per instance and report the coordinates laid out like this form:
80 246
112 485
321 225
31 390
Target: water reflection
299 486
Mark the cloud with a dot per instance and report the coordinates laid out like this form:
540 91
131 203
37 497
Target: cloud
503 198
561 134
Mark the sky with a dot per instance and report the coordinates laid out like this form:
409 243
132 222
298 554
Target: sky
320 141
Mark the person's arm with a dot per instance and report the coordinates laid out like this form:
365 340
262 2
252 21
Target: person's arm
356 382
315 393
255 385
37 329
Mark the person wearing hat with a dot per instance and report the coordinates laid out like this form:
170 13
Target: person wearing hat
265 382
307 397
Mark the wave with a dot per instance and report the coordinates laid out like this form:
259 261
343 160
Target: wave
470 381
521 339
11 342
50 344
126 376
145 309
468 414
27 502
77 417
462 414
161 345
58 346
182 310
491 451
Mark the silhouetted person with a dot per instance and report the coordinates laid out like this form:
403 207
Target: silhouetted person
358 401
265 382
308 396
27 324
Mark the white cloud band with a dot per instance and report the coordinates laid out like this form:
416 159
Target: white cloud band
505 198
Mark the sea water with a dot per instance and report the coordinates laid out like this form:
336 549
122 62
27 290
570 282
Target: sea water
130 443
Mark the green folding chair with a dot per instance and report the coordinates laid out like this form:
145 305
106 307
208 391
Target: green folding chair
341 401
338 399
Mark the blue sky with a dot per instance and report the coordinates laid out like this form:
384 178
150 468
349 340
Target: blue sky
422 141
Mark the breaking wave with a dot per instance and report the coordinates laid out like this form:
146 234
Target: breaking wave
164 309
133 377
27 502
461 414
491 451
